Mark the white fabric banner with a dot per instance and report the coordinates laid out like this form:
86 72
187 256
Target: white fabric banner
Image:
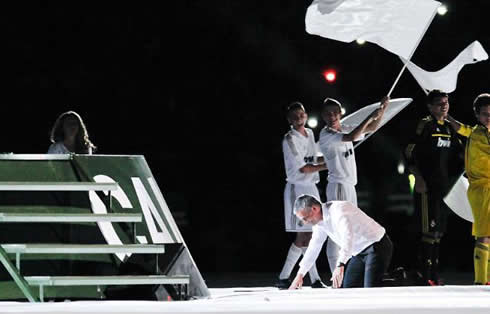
396 105
446 78
395 25
457 199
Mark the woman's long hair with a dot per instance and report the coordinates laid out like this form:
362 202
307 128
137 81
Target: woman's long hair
83 145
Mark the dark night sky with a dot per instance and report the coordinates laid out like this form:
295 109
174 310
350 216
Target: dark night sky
199 89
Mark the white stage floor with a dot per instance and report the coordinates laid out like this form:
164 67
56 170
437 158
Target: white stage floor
399 300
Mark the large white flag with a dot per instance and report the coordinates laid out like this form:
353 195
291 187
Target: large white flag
446 78
395 25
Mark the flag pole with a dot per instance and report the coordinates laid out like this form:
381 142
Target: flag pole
411 54
403 69
400 74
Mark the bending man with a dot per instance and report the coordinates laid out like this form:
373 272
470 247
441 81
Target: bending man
365 248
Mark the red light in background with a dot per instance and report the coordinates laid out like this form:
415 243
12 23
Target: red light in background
330 75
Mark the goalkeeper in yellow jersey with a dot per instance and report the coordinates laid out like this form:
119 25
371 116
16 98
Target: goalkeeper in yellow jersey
477 166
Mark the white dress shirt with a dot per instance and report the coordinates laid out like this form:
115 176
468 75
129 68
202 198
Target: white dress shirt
348 226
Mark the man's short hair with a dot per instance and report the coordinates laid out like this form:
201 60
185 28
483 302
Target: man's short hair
293 106
481 101
435 93
331 102
305 201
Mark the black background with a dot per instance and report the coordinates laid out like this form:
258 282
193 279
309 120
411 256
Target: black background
199 88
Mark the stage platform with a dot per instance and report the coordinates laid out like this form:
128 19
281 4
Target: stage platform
447 299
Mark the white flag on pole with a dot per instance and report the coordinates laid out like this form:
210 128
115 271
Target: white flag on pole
446 78
395 25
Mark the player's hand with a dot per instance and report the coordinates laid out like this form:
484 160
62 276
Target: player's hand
385 101
376 114
420 186
297 282
338 276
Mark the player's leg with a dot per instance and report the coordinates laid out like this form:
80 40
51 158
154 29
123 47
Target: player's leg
429 245
302 241
481 256
480 205
486 240
294 252
437 226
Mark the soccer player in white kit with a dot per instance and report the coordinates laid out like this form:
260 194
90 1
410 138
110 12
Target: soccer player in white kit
338 152
302 165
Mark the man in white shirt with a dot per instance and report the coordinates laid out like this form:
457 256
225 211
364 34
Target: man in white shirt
302 165
338 151
365 248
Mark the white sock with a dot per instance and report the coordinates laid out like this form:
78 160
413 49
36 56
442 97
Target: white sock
294 254
313 272
332 254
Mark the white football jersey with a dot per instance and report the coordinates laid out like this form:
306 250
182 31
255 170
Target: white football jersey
339 156
299 151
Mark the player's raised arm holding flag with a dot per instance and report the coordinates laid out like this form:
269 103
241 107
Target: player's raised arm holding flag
338 151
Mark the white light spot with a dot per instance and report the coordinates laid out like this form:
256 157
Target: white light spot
312 122
442 9
401 167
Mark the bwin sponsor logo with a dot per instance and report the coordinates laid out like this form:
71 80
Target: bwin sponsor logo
348 153
443 143
309 159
